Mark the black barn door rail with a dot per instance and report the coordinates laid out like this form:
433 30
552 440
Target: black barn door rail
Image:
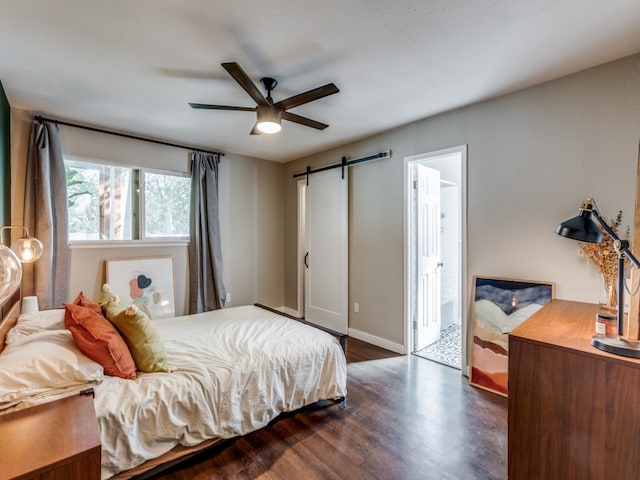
344 163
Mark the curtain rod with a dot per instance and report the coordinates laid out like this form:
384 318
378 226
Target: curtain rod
40 118
344 163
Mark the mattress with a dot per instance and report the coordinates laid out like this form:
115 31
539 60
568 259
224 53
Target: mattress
233 371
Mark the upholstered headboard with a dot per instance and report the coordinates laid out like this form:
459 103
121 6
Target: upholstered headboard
8 321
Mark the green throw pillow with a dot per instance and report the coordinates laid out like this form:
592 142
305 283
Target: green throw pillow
138 331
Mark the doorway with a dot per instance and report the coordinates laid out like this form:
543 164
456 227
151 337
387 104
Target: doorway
436 244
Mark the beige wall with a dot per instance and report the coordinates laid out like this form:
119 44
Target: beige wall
533 157
252 204
251 214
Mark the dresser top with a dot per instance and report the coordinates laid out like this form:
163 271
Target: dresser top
46 435
566 325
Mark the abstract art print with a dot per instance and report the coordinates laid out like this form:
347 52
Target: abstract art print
147 283
499 306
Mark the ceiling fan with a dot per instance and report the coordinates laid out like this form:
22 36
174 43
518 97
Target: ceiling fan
269 113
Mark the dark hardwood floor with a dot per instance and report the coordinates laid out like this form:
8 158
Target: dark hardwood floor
404 418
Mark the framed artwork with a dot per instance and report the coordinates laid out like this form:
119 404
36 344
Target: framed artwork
148 283
499 306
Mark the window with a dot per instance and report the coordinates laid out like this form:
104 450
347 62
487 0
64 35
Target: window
111 202
166 200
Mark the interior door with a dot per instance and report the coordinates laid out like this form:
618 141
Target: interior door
326 262
427 182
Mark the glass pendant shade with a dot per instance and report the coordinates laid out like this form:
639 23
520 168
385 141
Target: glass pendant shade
28 249
10 273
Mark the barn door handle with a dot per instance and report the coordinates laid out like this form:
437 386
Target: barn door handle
306 258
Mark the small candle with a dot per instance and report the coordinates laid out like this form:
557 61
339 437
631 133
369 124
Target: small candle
606 324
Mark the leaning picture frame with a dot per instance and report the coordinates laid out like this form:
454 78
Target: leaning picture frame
147 282
499 306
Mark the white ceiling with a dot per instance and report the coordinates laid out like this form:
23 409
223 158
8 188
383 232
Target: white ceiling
133 65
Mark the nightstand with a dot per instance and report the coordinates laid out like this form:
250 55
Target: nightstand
53 441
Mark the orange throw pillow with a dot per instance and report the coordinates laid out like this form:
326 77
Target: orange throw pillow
98 339
85 301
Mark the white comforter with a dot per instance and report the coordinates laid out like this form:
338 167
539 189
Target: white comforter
235 370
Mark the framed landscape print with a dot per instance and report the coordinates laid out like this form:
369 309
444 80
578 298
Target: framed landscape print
146 282
499 306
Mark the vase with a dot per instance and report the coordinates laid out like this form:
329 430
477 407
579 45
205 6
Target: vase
609 294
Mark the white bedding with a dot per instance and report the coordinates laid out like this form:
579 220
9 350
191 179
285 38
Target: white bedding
235 370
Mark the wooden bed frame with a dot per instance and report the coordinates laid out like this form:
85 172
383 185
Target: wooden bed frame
175 456
179 453
8 321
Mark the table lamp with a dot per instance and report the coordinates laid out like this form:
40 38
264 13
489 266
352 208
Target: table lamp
584 229
27 248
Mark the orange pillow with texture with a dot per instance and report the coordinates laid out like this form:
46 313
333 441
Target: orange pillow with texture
98 339
85 301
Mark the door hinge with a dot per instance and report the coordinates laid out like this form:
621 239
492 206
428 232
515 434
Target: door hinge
415 184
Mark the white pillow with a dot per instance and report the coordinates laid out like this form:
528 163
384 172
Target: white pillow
35 322
42 362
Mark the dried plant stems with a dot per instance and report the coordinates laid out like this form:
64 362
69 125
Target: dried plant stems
604 257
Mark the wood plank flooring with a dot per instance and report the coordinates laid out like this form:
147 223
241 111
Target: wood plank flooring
404 418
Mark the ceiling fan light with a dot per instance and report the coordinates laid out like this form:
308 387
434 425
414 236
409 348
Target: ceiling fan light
269 127
269 119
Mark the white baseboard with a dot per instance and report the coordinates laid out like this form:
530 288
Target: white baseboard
377 341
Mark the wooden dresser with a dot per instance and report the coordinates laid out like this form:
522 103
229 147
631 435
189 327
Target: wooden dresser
53 441
574 411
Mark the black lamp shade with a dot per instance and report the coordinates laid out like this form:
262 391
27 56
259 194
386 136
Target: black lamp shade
581 228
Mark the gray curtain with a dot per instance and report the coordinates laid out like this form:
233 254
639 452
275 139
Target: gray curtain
206 289
45 213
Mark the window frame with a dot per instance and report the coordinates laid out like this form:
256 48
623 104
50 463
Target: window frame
138 208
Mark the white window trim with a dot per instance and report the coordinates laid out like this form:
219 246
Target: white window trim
89 244
97 161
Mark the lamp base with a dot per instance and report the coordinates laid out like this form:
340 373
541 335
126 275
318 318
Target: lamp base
617 345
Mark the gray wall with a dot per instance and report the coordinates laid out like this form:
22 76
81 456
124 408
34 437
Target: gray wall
533 157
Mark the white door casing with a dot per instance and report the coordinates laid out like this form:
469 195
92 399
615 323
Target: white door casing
326 234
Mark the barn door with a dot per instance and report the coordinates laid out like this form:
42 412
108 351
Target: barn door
327 244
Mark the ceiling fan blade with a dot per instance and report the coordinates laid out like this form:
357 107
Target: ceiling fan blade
292 117
220 107
310 96
240 76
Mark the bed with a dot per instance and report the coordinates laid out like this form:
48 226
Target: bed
232 371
